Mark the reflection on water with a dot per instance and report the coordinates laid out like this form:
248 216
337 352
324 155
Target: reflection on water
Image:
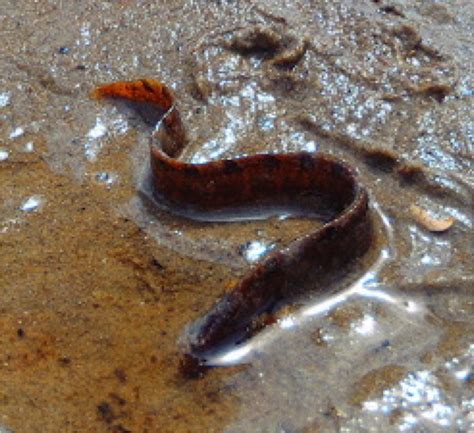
255 250
106 178
3 154
242 112
17 132
422 404
94 140
29 147
4 99
92 145
32 204
431 251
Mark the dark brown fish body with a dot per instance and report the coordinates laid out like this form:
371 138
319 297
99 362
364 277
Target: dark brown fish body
305 179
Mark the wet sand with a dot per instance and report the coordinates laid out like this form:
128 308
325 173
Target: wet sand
97 283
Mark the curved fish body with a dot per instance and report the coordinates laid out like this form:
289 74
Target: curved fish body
301 179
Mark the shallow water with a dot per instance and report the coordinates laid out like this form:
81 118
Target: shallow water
98 283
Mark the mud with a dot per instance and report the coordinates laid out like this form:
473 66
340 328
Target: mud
98 282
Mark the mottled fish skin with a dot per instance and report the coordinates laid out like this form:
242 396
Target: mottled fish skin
257 179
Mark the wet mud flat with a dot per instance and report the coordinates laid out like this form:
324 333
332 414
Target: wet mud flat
98 284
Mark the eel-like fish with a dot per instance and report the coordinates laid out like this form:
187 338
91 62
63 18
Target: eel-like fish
302 179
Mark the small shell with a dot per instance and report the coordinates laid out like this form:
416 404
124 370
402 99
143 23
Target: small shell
430 223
